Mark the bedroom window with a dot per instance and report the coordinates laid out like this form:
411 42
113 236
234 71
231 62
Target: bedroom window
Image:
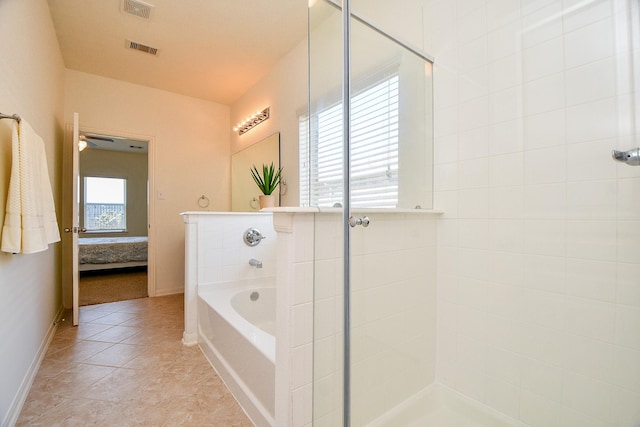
374 149
105 207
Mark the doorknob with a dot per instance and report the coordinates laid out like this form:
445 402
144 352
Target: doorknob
75 230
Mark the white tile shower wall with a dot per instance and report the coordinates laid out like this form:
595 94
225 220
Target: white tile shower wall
392 304
394 277
538 253
215 253
294 318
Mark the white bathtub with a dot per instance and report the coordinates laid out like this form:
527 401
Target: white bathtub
236 326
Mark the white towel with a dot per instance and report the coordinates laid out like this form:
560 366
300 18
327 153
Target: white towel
30 222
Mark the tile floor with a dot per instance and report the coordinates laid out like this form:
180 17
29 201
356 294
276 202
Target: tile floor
125 365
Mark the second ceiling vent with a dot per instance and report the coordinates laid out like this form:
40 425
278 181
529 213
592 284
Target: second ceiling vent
142 47
137 8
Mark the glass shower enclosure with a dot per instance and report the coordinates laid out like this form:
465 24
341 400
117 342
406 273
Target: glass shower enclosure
375 253
533 274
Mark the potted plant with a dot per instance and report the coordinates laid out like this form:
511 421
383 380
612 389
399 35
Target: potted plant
267 183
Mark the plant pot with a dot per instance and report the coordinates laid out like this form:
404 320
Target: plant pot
267 201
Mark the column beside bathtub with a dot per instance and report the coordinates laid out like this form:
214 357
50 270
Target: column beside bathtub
190 334
294 318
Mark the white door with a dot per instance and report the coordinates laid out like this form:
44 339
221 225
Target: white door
74 227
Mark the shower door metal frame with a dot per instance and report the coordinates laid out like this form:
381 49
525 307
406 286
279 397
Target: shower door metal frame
347 222
346 211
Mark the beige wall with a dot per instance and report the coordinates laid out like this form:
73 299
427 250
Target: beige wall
31 82
117 164
284 89
189 149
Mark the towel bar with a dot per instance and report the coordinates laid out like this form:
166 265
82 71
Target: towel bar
12 116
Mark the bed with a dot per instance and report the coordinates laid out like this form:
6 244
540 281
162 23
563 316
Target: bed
100 253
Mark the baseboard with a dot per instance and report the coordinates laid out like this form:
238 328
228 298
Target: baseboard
21 396
171 291
189 339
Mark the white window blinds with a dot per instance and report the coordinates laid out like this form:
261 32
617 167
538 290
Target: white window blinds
374 150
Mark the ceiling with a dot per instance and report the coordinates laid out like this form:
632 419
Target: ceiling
114 143
210 49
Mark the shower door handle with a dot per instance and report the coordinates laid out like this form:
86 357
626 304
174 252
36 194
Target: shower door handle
364 221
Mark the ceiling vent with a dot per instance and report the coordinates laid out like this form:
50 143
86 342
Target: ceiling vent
142 47
137 8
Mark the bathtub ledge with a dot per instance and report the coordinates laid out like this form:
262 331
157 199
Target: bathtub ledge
292 209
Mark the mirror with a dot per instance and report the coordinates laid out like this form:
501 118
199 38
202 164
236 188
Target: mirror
244 191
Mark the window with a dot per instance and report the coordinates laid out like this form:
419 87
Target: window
105 207
374 150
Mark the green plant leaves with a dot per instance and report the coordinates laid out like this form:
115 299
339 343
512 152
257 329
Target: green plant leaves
269 180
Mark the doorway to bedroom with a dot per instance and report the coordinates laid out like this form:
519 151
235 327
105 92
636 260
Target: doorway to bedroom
113 217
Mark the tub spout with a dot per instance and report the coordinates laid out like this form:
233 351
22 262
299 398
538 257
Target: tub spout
255 263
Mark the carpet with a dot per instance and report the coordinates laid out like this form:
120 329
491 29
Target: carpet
101 286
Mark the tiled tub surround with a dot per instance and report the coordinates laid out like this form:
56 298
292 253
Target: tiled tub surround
539 245
215 254
217 268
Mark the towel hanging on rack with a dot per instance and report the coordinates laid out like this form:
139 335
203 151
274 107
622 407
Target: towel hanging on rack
30 220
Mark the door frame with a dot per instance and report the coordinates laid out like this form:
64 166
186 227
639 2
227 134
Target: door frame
67 200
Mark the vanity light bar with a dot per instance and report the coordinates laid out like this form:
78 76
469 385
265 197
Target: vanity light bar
252 121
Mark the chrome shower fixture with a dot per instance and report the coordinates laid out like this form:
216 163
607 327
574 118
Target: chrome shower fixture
631 157
252 236
255 263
